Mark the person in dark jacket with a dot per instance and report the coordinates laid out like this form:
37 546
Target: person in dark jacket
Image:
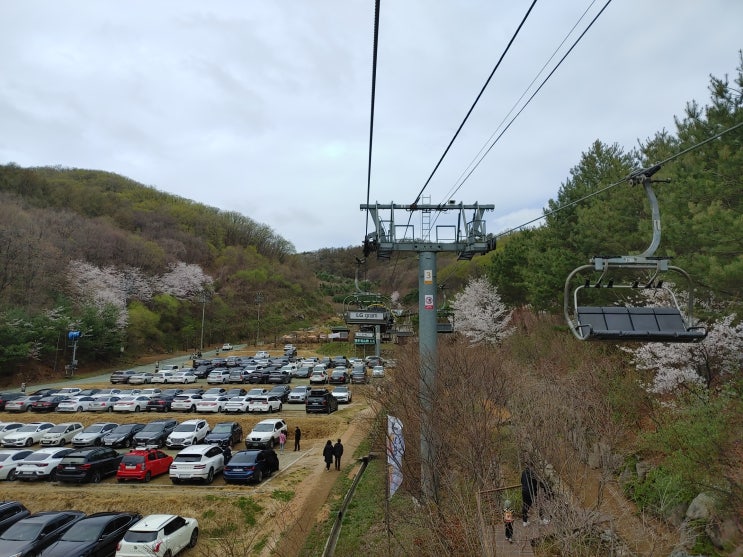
530 486
297 438
338 453
327 454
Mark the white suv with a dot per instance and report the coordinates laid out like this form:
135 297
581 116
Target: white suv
159 534
190 432
265 434
198 462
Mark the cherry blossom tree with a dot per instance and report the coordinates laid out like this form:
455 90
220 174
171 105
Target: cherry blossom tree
479 314
183 280
702 364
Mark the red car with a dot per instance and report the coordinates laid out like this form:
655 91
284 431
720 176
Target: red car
143 465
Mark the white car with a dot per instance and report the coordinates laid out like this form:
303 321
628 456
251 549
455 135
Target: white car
27 435
261 355
226 346
265 434
41 464
162 377
108 392
298 395
141 378
211 403
218 376
131 403
319 377
9 460
8 427
76 404
93 434
185 403
198 462
190 432
342 394
264 403
159 534
150 391
104 404
378 371
184 377
60 434
68 391
237 404
291 369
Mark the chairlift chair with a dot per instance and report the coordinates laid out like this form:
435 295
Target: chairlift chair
624 322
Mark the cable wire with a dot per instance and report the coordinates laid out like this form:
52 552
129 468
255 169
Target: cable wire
371 118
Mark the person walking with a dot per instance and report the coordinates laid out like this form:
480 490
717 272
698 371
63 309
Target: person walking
327 454
338 453
508 520
282 440
23 387
297 438
529 488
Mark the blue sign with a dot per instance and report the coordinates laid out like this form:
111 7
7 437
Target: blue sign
74 335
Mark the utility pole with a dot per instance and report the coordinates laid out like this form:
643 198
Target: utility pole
467 238
203 312
258 300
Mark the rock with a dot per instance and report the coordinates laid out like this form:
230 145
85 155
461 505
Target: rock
641 468
721 533
701 508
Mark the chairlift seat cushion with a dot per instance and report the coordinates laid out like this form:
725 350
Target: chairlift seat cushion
649 324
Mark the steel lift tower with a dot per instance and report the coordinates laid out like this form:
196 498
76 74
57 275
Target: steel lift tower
467 238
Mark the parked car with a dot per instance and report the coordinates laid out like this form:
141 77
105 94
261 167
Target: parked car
185 402
93 434
47 404
9 460
190 432
378 371
226 347
265 434
304 370
159 534
141 378
342 394
218 376
211 403
237 404
154 433
10 513
26 435
75 404
261 354
104 403
161 403
279 376
121 376
107 392
135 403
217 391
251 466
260 375
162 377
31 535
236 391
60 434
198 462
21 404
150 391
298 395
359 376
281 391
266 403
319 377
6 397
41 464
239 375
8 427
96 535
320 401
225 434
143 465
122 436
202 371
339 376
185 377
88 465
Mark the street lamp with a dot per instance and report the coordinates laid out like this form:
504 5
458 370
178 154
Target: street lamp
203 311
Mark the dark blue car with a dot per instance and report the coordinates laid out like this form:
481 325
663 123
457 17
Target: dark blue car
251 466
94 536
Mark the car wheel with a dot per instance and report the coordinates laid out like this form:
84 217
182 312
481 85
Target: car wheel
137 409
97 442
271 444
62 442
194 538
281 407
210 476
96 477
11 477
147 477
110 409
175 481
79 409
168 554
259 477
29 442
53 476
193 408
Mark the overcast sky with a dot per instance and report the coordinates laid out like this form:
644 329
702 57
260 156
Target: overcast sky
263 107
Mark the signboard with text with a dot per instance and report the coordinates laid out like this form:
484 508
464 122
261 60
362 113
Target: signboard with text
367 317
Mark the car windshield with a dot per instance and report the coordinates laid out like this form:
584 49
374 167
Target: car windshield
153 427
243 458
132 459
341 389
263 427
23 531
185 427
3 456
37 457
58 429
95 428
187 458
135 536
83 532
27 428
222 428
124 428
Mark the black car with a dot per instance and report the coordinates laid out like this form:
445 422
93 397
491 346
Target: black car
155 433
10 513
171 392
122 436
281 391
225 434
251 466
160 403
339 376
202 371
96 535
235 392
47 404
260 375
320 401
28 537
88 465
45 392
